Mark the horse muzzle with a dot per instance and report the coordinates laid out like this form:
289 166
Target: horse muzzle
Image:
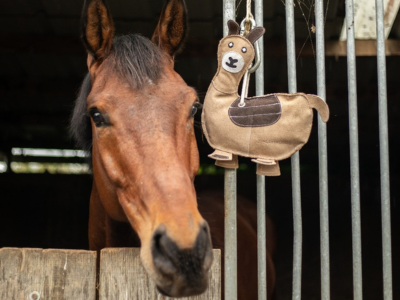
183 272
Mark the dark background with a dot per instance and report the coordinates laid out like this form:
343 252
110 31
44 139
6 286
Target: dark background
43 63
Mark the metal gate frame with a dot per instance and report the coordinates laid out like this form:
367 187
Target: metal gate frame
230 254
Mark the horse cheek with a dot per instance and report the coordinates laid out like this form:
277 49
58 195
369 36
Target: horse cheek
194 158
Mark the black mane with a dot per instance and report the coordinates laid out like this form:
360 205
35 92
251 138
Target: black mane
134 59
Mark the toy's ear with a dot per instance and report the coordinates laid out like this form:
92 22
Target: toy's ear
233 27
97 29
255 34
171 30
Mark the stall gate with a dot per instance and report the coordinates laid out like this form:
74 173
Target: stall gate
57 274
229 7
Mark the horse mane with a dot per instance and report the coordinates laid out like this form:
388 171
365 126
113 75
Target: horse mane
136 60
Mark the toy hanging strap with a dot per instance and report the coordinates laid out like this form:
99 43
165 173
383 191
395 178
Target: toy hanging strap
249 16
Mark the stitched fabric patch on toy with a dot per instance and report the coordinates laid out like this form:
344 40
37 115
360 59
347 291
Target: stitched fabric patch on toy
257 111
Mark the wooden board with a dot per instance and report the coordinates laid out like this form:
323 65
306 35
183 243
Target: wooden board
122 277
54 274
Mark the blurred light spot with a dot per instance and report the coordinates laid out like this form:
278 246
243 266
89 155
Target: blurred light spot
48 152
3 167
51 168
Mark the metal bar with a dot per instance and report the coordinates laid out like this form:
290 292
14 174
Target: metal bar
384 154
297 227
322 154
295 160
230 254
354 151
261 242
229 14
261 234
230 235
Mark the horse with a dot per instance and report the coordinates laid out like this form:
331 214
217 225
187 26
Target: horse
134 115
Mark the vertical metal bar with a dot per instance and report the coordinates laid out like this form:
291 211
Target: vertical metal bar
230 255
229 14
295 160
259 17
384 153
297 227
230 235
354 160
261 243
322 153
261 234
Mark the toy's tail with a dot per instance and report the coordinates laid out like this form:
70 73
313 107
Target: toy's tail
320 105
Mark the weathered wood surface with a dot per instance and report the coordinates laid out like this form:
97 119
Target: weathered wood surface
122 277
54 274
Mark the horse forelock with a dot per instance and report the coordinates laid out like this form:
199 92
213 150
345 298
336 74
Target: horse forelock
135 60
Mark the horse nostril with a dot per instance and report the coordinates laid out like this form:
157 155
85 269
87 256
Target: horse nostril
204 247
170 260
164 252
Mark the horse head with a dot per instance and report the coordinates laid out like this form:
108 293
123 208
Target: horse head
135 115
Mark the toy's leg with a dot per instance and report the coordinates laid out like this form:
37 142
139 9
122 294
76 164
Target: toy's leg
267 167
221 155
229 164
225 159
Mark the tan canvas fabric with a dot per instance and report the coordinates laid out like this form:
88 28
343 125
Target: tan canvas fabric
269 128
267 170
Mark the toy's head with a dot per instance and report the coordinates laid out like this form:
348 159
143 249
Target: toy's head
235 54
238 50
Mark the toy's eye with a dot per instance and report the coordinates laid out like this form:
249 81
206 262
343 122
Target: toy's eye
244 49
98 119
195 107
230 45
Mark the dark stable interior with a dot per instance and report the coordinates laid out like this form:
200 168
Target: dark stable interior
43 63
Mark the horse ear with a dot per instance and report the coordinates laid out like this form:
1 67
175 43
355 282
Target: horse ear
97 29
233 27
171 30
255 34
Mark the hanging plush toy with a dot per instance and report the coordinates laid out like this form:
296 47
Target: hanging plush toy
265 128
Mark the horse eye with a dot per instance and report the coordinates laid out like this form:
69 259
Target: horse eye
97 118
244 49
230 45
195 107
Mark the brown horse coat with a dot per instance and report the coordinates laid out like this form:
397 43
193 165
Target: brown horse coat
135 116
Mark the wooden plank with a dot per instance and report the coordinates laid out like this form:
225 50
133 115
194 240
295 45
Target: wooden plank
363 48
365 19
122 277
54 274
203 47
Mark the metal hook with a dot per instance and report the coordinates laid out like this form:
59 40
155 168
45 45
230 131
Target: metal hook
257 56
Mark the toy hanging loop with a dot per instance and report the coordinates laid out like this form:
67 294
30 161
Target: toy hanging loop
257 59
245 89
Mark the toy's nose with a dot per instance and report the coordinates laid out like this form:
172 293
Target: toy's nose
232 62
